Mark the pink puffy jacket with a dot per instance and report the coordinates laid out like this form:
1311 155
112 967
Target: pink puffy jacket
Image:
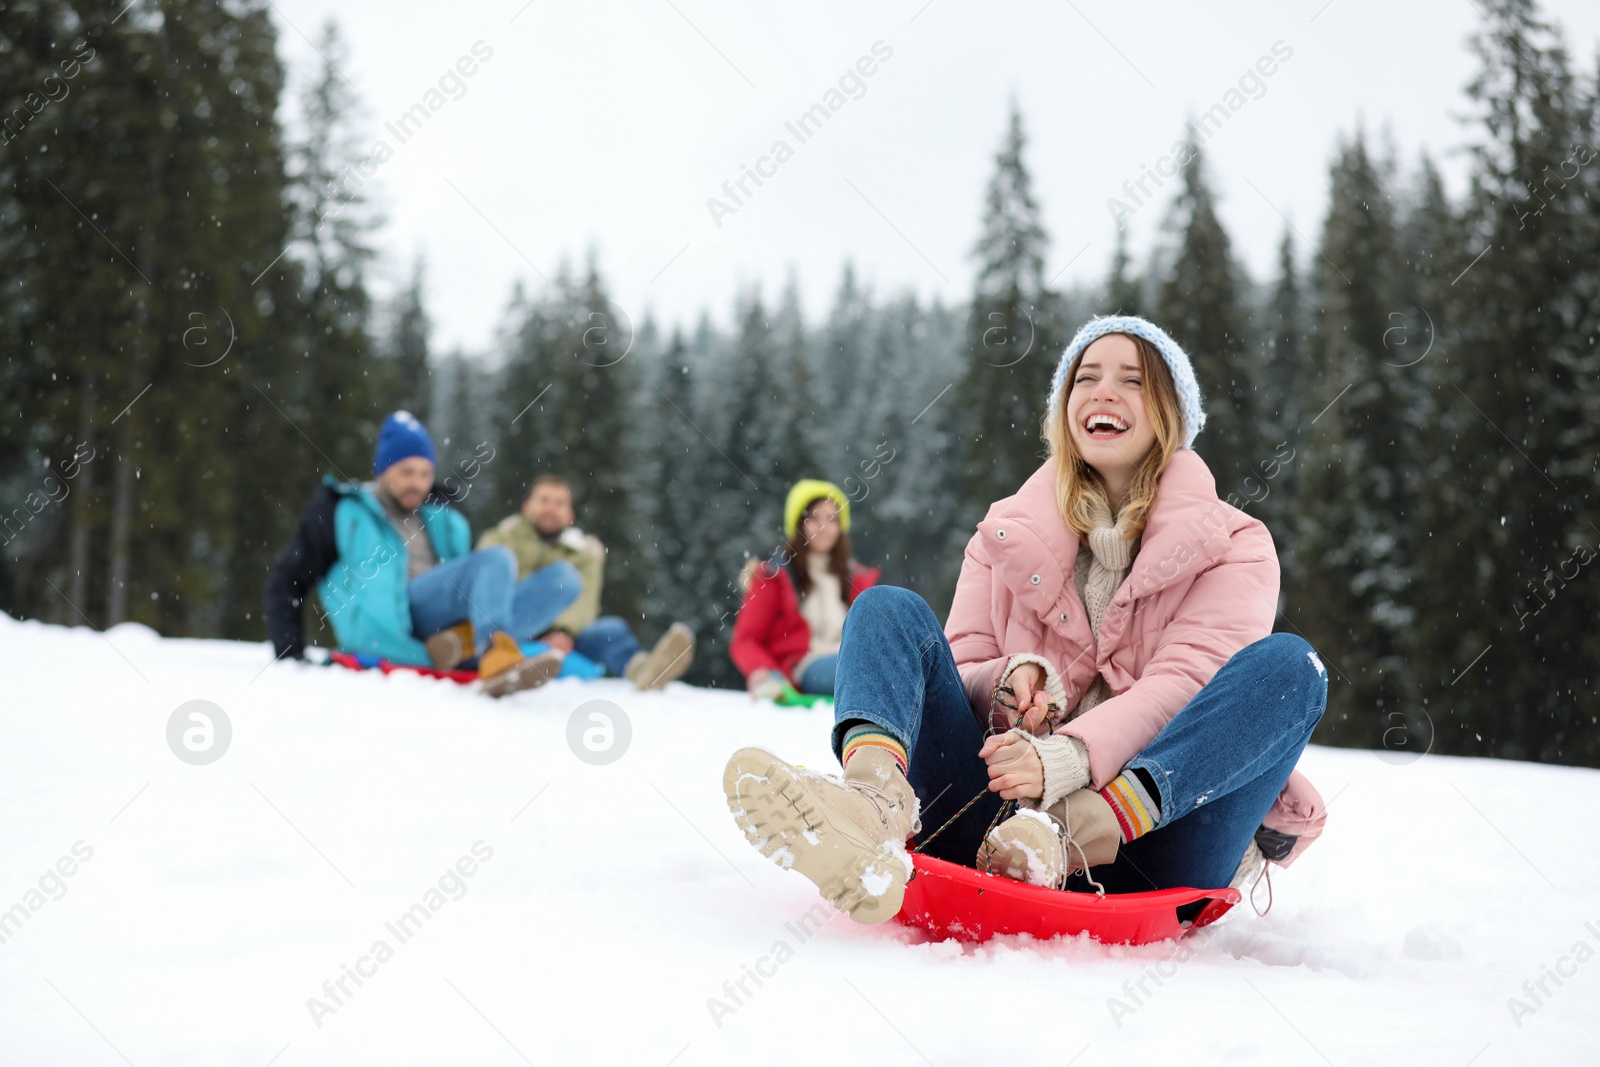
1203 585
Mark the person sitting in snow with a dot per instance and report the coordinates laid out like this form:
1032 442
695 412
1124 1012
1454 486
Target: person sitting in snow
543 535
789 624
392 564
1111 633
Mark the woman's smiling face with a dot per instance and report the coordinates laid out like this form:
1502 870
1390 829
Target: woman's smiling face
1105 408
821 525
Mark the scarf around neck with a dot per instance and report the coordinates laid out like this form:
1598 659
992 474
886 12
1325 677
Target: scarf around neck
1110 553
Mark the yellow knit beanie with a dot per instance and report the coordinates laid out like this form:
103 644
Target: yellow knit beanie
804 492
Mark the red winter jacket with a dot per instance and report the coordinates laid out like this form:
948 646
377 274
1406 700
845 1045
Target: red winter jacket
770 633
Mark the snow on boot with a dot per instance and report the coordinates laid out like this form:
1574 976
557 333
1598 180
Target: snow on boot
447 648
505 670
1026 848
665 662
848 837
1078 831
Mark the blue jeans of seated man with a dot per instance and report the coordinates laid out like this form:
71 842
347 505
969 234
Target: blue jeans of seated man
1218 764
482 588
608 641
818 677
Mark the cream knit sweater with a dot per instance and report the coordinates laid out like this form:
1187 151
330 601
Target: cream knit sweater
823 609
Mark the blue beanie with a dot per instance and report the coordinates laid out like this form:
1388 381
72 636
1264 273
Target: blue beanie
400 437
1189 399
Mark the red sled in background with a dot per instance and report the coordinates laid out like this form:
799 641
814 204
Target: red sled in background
573 665
952 901
357 662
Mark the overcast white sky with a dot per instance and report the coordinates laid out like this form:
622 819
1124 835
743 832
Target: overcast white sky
608 126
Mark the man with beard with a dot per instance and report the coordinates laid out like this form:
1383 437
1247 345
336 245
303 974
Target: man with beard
392 565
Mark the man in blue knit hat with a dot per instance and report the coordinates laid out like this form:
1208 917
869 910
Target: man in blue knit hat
392 564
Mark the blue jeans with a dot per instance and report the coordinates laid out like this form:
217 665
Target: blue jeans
1218 764
608 641
482 588
818 677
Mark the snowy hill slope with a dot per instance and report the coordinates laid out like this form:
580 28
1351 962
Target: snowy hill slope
487 897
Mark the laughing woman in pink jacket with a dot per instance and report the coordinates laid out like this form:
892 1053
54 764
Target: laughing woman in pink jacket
1108 665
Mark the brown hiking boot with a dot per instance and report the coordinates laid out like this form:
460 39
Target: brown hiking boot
447 648
847 837
664 663
505 670
1079 831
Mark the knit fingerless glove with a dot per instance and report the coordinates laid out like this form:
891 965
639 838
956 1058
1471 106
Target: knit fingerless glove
1066 766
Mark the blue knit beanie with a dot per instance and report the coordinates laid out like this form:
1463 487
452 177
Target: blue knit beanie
1189 399
400 437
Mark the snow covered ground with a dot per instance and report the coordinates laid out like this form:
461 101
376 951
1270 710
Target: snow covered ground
562 911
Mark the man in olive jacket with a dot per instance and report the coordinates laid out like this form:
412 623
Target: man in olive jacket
541 534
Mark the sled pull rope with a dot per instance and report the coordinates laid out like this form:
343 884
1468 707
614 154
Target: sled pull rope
1002 697
1266 876
1005 698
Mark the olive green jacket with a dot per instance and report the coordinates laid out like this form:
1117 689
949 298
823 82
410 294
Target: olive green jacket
583 551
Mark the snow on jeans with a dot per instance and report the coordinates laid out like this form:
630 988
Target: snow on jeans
1218 764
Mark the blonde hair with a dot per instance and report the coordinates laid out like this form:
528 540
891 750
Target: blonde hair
1081 492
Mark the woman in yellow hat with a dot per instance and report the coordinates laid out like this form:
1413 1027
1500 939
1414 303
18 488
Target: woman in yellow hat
786 636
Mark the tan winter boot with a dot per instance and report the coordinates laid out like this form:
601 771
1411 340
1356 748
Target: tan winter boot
1026 848
1251 866
1092 830
505 670
1079 831
847 837
448 648
664 663
1253 870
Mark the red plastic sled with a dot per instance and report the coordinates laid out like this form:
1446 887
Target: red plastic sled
347 659
951 901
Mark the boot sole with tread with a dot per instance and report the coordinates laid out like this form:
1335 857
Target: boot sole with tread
791 828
